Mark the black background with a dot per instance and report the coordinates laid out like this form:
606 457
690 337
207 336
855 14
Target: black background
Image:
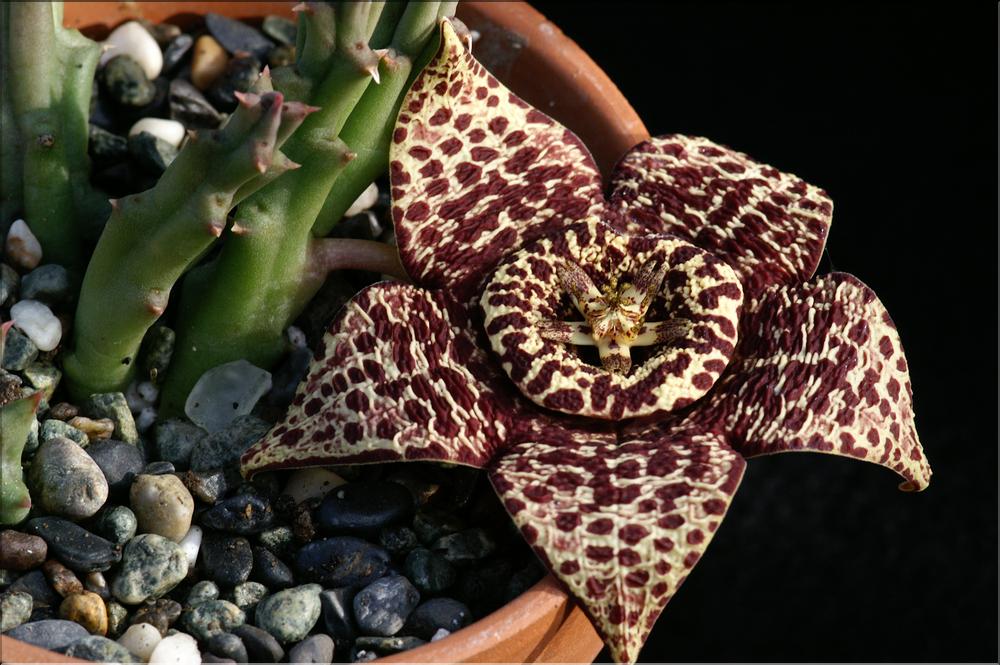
891 109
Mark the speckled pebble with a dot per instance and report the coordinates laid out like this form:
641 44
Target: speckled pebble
15 608
52 634
382 607
100 649
213 617
64 480
176 439
113 406
151 566
19 351
57 429
314 649
117 615
118 524
429 571
224 447
247 595
202 591
290 614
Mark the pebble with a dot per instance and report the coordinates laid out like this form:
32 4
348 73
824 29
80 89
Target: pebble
117 614
247 514
191 544
118 524
338 613
62 579
22 247
49 283
238 36
133 40
287 378
145 419
207 486
95 430
281 56
64 480
178 649
227 645
209 657
366 200
436 614
140 639
119 461
289 615
148 391
398 540
246 596
105 146
465 547
10 390
280 29
387 645
156 351
270 570
261 646
15 608
43 376
10 282
226 560
151 152
160 468
162 505
484 586
341 561
279 540
364 507
242 71
37 321
432 523
95 583
213 617
175 52
208 62
35 585
124 81
77 548
314 649
225 393
224 448
169 131
362 656
151 566
312 483
429 571
163 33
99 649
19 351
160 614
202 591
88 610
440 634
189 106
382 607
21 551
113 406
56 429
51 634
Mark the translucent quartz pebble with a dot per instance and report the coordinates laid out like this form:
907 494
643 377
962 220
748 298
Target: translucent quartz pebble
133 40
38 322
226 392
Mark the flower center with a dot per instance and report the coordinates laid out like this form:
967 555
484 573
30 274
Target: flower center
614 317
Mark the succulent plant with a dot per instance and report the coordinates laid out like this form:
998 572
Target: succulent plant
355 62
43 144
153 237
15 427
694 283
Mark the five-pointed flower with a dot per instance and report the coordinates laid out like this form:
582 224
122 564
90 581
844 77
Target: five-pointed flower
610 362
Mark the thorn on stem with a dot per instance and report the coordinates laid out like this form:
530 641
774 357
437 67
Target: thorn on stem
303 7
239 230
215 229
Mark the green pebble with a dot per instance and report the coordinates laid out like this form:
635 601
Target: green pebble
246 595
151 566
201 592
31 445
279 540
117 616
53 428
118 524
113 406
213 617
15 608
289 615
9 282
156 350
125 82
100 650
175 439
43 376
18 351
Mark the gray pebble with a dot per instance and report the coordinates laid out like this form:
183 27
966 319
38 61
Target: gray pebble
9 282
189 107
313 649
429 571
105 146
151 152
337 609
213 617
202 591
118 524
236 36
101 650
121 463
15 608
19 351
207 486
227 645
36 585
175 439
289 615
56 429
224 448
261 646
51 634
466 546
382 607
151 566
437 614
280 29
387 645
226 560
279 540
113 406
77 548
49 283
175 52
43 376
246 515
65 481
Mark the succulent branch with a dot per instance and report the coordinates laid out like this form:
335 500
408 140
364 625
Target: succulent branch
46 168
355 63
15 426
153 237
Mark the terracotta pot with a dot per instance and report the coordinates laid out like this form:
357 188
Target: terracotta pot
535 59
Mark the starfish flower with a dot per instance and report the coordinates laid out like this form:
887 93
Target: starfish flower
610 362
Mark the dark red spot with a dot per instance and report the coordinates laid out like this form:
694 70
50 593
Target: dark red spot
399 135
632 533
498 125
419 152
441 116
569 567
601 527
450 146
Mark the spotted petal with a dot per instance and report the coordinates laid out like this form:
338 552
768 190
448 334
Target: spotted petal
476 172
820 368
620 523
398 377
771 226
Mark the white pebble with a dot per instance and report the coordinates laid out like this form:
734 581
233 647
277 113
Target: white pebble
311 483
145 419
37 321
22 247
191 543
367 199
170 131
141 639
296 337
440 634
225 393
148 391
133 40
178 649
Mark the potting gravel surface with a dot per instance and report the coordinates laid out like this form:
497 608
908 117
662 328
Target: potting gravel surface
144 542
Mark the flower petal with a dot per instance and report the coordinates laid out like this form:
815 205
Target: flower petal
476 172
771 226
620 523
820 367
399 377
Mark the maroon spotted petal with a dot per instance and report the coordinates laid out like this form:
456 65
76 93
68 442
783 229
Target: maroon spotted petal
476 173
771 226
621 523
398 377
820 368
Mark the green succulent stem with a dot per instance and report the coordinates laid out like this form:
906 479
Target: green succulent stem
239 305
15 427
48 74
153 237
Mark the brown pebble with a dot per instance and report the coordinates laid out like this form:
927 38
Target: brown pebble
62 579
88 610
160 614
95 583
302 524
94 429
64 411
208 62
21 551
